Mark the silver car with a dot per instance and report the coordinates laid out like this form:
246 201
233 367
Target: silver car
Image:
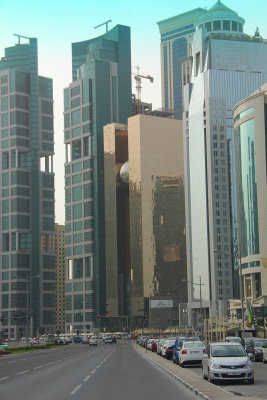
227 361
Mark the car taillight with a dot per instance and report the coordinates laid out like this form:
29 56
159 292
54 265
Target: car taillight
164 347
169 348
184 352
204 351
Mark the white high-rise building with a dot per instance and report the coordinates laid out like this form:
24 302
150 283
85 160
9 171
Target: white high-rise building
224 66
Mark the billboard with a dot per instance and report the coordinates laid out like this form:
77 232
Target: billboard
161 303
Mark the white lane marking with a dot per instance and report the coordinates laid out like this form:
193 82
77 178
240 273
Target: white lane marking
5 377
76 389
10 362
23 372
52 362
58 361
39 366
94 370
86 379
102 362
98 366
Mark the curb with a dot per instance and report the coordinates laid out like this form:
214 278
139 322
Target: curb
184 383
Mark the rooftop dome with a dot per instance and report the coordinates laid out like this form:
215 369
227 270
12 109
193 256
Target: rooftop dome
220 18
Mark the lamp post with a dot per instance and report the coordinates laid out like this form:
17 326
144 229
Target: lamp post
200 284
238 255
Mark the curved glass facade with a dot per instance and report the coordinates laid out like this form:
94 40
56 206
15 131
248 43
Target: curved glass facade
247 190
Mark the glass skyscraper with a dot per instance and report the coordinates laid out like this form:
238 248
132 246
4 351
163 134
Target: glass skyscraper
99 94
224 66
27 277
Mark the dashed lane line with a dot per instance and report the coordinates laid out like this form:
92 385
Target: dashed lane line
5 377
86 379
94 370
39 366
76 389
23 372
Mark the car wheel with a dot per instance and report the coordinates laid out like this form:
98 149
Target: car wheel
251 381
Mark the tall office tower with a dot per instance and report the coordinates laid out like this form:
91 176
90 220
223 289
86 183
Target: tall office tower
224 66
60 276
145 220
176 33
250 133
27 194
99 94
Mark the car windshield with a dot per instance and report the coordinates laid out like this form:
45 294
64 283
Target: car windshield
261 343
193 345
227 351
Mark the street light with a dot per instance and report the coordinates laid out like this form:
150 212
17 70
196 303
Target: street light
200 300
240 283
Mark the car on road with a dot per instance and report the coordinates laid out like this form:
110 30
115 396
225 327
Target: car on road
191 353
92 342
226 361
108 340
256 347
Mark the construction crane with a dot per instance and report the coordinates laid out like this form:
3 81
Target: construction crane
138 77
20 36
104 23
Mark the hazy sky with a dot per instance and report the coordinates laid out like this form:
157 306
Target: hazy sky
58 23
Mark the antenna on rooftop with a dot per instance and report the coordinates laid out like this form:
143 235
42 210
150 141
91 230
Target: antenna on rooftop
104 23
20 36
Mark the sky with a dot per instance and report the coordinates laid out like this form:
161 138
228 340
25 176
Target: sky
57 23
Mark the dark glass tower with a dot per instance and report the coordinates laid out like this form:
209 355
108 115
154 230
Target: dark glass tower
27 194
99 94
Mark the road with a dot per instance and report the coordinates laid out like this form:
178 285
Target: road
77 371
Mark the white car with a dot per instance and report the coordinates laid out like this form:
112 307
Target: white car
167 348
227 361
191 353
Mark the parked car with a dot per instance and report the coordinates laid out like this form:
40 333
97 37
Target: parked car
191 353
255 347
77 339
160 343
154 345
92 342
34 341
233 339
264 355
85 339
227 361
178 344
167 348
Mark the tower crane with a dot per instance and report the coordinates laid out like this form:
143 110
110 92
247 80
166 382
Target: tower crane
138 77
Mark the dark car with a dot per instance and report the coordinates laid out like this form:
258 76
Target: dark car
256 347
77 339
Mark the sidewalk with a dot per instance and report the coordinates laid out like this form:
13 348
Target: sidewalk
200 387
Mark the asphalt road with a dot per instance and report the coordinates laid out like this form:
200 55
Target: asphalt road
77 371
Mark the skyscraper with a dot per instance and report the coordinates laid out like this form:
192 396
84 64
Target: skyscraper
176 33
99 94
224 66
27 194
